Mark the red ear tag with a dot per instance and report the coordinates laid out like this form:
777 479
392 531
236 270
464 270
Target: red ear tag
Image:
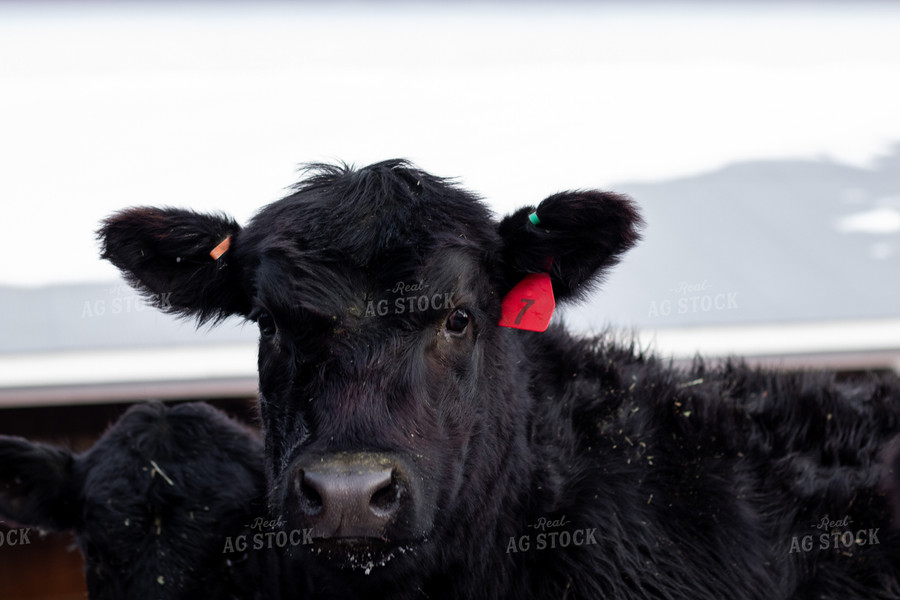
529 305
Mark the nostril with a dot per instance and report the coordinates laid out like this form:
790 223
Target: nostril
386 499
352 500
308 496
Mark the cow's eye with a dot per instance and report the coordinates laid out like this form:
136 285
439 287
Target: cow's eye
458 321
266 324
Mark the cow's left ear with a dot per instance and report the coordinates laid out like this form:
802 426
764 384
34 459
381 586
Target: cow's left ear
579 234
37 484
182 261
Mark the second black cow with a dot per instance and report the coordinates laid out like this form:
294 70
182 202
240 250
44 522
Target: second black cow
434 453
150 503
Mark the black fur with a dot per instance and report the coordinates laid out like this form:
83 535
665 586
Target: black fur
584 233
891 478
697 484
165 254
143 535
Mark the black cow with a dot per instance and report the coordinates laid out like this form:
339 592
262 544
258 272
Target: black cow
435 454
150 502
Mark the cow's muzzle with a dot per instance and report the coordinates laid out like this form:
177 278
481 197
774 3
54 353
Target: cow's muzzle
348 496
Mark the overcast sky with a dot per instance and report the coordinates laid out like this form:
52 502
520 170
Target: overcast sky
213 107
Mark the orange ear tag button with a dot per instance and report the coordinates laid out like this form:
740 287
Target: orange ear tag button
221 249
529 305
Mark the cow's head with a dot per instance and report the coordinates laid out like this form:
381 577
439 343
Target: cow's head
392 401
149 503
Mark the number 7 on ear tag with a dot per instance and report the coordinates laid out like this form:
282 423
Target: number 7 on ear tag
529 305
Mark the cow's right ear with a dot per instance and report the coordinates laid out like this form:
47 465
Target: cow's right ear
574 236
181 261
37 484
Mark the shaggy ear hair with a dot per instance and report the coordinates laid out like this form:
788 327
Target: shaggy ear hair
36 484
583 233
165 254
